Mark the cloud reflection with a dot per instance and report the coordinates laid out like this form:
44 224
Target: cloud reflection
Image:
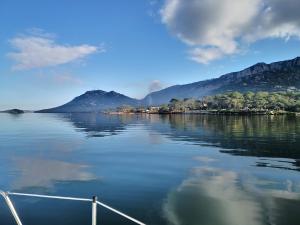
218 197
44 173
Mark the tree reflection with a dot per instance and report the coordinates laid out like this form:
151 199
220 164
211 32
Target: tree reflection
262 136
259 136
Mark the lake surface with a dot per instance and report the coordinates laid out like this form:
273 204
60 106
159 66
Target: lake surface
178 170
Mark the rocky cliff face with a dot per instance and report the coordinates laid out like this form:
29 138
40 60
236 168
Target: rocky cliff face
263 68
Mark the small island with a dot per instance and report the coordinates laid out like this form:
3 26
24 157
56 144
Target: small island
14 111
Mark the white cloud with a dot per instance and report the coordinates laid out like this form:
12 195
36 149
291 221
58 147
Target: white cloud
205 55
155 85
215 28
37 51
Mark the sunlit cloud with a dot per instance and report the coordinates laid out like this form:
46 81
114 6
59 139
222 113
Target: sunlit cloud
38 50
217 28
155 85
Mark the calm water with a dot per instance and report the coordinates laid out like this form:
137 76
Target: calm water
179 170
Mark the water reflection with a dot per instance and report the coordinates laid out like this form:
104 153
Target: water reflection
144 163
262 135
99 125
267 136
43 173
213 196
259 136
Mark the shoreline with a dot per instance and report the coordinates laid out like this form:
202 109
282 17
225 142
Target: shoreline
212 112
195 112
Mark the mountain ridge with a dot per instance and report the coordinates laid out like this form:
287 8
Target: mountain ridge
258 77
276 76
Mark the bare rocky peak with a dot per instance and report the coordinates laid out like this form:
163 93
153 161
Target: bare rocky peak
260 68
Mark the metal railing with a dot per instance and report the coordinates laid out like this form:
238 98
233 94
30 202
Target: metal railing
94 202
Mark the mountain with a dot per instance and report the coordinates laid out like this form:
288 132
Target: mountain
94 101
277 76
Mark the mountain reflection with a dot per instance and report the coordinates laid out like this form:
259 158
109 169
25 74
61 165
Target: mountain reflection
99 125
213 196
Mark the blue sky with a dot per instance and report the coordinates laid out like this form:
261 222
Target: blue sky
52 51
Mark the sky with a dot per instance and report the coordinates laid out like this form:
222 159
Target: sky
54 50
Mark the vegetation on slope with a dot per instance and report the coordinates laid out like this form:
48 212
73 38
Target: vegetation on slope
250 101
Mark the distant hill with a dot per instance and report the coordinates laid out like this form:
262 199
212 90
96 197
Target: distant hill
94 101
13 111
278 76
